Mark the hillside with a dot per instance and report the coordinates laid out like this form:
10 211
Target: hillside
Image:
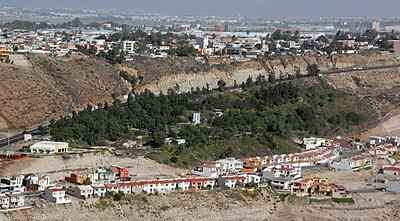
50 87
214 205
53 87
161 74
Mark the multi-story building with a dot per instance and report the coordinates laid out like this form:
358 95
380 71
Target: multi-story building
56 195
210 169
301 187
231 182
376 25
99 190
230 166
196 118
12 184
83 192
202 42
128 47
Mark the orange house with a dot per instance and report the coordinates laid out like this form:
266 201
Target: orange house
78 178
121 172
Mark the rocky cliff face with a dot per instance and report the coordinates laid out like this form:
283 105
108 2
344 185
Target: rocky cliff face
31 96
163 77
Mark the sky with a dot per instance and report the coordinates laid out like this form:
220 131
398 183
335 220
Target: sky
255 8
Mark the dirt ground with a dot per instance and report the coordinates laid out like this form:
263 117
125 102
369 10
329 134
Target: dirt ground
216 206
388 127
59 167
3 125
351 180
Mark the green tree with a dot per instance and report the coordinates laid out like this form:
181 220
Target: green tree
221 85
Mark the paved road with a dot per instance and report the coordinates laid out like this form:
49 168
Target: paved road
18 137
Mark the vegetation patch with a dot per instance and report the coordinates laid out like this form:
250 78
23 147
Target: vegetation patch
343 200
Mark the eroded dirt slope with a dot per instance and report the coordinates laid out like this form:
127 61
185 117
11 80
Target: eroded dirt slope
31 96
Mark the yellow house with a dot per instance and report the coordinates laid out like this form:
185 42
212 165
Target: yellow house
4 49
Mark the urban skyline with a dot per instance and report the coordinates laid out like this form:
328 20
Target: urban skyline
254 8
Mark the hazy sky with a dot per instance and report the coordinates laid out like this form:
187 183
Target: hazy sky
264 8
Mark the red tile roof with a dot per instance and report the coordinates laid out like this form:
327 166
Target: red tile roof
392 168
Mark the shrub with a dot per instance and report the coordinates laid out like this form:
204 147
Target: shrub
343 200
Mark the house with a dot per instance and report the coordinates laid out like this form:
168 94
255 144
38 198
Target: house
352 163
16 200
210 169
12 184
112 187
313 142
49 147
159 186
4 201
56 195
376 140
320 187
253 179
301 187
104 175
281 184
121 173
199 183
183 184
99 190
137 187
125 187
231 182
34 183
230 165
83 192
391 170
393 185
78 178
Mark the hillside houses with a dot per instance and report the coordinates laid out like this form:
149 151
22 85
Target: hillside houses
317 187
352 163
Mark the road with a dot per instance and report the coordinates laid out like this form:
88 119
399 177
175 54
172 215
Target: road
18 137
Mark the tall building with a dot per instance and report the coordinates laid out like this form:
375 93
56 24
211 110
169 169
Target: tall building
202 42
376 25
221 27
196 118
128 47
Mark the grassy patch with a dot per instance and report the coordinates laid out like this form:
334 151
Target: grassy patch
283 196
343 200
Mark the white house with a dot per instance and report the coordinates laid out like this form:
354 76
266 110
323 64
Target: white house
394 185
16 200
313 142
253 179
99 190
183 184
83 192
196 118
56 195
230 165
159 186
231 182
212 170
13 184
